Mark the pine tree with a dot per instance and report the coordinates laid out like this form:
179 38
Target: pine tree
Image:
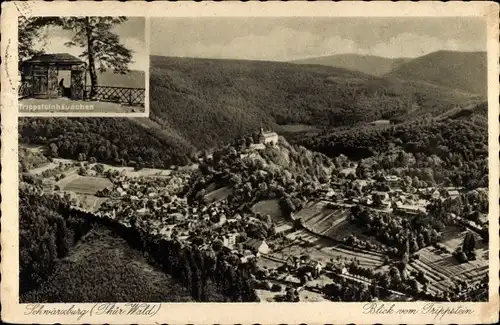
102 47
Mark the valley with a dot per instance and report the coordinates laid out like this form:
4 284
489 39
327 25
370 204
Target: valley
262 181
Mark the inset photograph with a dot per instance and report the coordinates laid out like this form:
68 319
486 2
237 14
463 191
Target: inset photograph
82 65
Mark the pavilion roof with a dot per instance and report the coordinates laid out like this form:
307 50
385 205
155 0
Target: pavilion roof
55 58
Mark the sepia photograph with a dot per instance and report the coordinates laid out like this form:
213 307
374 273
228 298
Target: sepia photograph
297 160
82 65
289 168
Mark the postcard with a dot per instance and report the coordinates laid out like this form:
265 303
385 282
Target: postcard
250 162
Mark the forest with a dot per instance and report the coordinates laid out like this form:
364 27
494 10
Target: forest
118 141
452 151
214 101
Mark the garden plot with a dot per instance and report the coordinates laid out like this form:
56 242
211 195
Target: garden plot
323 249
442 269
331 222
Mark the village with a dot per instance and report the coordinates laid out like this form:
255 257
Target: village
297 256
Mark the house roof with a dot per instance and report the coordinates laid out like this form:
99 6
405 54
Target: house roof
269 134
55 58
254 243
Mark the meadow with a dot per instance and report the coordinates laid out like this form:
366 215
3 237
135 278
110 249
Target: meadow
86 184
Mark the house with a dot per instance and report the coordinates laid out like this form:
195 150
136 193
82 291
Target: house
452 193
409 210
121 191
365 200
392 180
229 240
222 220
268 137
246 256
257 245
316 268
384 196
284 228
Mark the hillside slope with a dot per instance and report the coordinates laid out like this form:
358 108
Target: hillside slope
464 71
369 64
213 101
197 104
103 268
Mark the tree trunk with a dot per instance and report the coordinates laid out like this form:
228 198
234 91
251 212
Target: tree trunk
90 51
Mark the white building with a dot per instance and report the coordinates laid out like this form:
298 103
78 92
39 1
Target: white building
268 137
257 245
229 240
255 146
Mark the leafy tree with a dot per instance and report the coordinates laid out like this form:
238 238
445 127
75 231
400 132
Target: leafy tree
469 243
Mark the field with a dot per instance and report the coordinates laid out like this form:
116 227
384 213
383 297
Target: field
40 169
218 194
85 184
272 208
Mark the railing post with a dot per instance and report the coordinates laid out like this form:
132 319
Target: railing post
130 97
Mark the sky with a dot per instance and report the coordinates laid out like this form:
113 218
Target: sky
131 33
291 38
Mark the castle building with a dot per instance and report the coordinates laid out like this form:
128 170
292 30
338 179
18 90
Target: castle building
268 137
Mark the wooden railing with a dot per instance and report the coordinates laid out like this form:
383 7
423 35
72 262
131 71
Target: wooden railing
124 95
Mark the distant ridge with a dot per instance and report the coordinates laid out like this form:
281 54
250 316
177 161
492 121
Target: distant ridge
466 71
369 64
213 101
133 79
